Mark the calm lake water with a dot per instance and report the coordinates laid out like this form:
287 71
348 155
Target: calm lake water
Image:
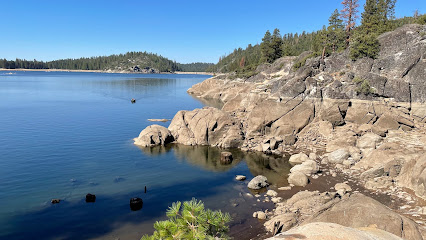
63 135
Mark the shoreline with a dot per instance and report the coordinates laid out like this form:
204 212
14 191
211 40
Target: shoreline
93 71
319 129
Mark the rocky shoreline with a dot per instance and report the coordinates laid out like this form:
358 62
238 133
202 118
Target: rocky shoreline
323 114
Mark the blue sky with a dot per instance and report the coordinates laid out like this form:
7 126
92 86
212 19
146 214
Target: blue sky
185 31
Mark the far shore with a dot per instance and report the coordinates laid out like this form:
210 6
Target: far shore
95 71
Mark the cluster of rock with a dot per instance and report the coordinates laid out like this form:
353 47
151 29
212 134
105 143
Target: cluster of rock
304 168
379 136
349 210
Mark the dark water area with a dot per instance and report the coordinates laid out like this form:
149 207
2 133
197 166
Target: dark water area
63 135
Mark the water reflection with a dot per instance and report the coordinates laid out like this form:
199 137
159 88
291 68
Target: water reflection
155 151
132 87
216 103
207 158
275 168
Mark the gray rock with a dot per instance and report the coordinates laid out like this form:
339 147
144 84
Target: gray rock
153 135
368 140
258 182
308 167
271 193
298 179
298 158
261 215
240 177
338 156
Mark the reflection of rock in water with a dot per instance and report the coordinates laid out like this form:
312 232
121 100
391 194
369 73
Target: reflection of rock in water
211 102
155 151
275 169
206 157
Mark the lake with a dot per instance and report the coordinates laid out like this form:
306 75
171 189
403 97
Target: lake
63 135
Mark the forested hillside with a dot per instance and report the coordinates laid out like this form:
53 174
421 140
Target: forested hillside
340 34
116 63
194 67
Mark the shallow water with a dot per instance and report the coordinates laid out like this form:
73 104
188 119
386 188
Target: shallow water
63 135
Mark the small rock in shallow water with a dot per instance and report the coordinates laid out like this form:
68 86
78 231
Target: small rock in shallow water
261 215
225 158
136 203
55 200
90 197
240 177
284 188
271 193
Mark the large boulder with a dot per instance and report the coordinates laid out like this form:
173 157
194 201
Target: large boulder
298 158
295 120
308 167
387 121
413 175
332 231
153 135
352 213
368 140
298 179
206 126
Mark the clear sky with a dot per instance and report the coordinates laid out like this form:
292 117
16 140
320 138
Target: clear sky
185 30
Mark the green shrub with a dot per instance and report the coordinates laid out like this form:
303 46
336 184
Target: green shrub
364 88
422 20
342 73
357 80
302 62
191 221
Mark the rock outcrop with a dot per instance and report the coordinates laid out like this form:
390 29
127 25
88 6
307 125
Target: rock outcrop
352 211
207 126
154 135
332 231
378 137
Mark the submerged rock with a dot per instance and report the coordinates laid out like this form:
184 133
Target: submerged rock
226 158
136 203
90 197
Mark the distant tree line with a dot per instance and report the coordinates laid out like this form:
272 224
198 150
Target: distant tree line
194 67
112 62
340 33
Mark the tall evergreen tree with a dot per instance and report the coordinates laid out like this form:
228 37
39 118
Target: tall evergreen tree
266 47
276 44
335 32
349 15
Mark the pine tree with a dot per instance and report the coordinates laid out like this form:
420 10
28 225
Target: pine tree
373 23
349 14
266 48
335 32
276 44
191 221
